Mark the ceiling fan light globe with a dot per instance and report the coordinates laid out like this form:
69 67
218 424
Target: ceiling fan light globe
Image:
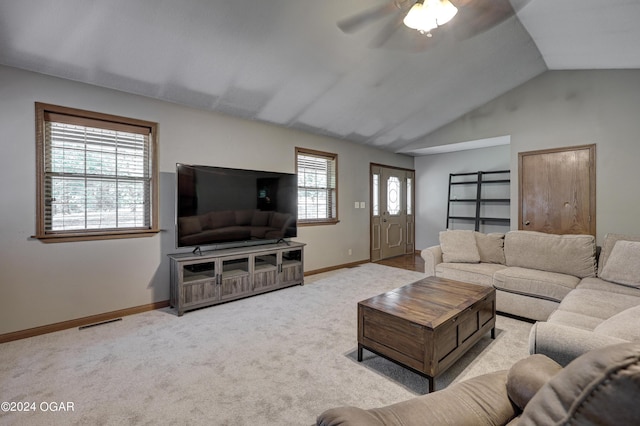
429 15
419 18
445 11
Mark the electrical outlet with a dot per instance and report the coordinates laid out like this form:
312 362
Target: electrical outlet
357 205
350 253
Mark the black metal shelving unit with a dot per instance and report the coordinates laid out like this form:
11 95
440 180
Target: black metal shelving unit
482 178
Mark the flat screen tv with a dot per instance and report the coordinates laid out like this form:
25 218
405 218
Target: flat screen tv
223 206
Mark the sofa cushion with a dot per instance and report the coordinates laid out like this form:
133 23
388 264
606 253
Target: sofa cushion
600 387
593 283
459 246
574 319
189 225
278 220
476 273
542 284
260 231
524 306
244 217
625 325
564 254
490 247
221 219
260 218
609 242
598 304
623 264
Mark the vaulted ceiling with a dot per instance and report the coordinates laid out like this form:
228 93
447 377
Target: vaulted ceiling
286 61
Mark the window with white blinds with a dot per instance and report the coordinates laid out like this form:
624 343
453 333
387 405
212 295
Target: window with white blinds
317 186
97 174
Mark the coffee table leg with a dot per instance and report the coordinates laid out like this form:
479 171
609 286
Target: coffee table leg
493 333
359 352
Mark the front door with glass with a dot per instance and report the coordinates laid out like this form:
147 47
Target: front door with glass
392 215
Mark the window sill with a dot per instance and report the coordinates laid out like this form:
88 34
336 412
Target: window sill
318 222
93 236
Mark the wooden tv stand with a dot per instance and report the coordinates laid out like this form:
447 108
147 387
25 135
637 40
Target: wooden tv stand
199 280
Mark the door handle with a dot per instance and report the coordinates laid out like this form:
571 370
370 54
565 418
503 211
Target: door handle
527 223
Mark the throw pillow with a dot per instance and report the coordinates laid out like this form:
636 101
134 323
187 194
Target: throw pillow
624 325
623 264
490 247
459 246
610 241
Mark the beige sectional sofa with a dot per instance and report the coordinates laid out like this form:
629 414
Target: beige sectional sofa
554 279
599 388
601 311
532 275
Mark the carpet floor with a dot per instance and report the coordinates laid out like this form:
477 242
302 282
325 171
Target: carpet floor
279 358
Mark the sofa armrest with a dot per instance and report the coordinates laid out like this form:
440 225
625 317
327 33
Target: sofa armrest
479 400
528 375
432 256
564 343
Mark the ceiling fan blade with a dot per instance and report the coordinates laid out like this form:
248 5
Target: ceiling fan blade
359 20
477 16
386 32
473 18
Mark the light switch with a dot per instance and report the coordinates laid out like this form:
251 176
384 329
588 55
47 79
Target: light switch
362 204
357 205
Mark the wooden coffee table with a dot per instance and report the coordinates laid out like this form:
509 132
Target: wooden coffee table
427 325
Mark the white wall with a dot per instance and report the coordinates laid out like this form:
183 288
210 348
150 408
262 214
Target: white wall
561 109
48 283
432 183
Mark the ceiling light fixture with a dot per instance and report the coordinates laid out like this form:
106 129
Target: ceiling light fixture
429 14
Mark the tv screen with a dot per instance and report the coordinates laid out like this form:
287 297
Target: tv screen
217 205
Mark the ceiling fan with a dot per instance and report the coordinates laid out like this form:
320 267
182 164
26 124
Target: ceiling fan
431 20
